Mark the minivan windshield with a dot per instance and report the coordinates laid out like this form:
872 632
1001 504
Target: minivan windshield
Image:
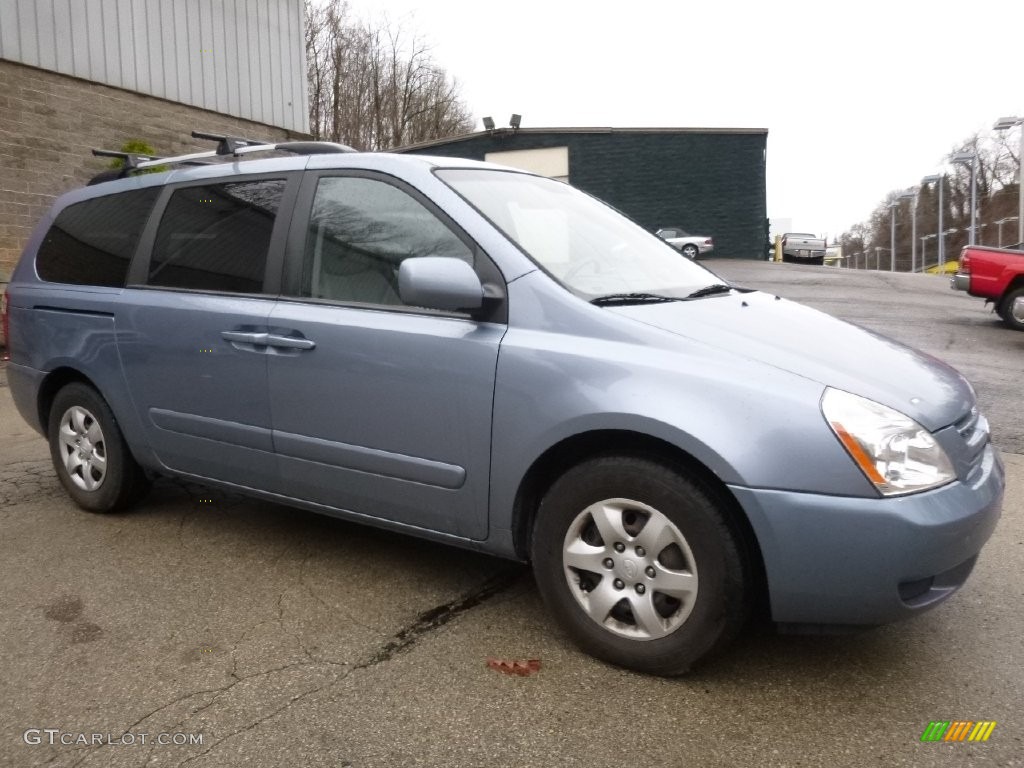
586 245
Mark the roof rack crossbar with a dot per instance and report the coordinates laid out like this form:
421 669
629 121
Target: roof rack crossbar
132 160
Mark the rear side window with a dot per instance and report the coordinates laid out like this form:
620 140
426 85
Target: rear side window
92 242
216 237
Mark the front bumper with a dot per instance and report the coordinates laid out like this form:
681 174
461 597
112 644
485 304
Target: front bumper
855 561
960 282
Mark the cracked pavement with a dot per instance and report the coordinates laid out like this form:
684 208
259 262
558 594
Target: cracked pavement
291 639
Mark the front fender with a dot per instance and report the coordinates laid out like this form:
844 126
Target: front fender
750 424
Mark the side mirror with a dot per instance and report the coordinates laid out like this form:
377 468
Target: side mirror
439 282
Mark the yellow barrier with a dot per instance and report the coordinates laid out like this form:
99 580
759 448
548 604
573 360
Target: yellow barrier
948 268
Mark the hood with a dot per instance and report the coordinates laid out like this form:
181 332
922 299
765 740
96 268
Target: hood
817 346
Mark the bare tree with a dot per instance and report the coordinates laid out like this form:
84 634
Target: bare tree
996 177
376 86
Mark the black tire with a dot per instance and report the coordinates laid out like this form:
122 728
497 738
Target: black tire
117 480
1011 308
707 621
690 251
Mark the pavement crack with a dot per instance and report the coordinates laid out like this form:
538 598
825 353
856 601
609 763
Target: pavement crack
433 619
329 607
268 716
423 625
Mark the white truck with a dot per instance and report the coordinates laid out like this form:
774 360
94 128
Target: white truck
803 248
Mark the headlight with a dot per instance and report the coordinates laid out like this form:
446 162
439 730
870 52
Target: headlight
896 453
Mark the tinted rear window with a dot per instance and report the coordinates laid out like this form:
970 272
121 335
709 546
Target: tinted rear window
216 237
92 242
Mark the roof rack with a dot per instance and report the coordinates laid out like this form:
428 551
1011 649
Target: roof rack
234 146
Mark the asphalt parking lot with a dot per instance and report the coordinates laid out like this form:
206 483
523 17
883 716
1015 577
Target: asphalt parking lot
282 638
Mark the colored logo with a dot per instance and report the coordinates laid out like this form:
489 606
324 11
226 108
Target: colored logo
958 730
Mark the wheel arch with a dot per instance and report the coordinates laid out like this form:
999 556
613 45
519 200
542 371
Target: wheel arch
1002 304
54 382
1013 285
583 446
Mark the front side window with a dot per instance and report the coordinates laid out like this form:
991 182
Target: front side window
591 249
360 231
92 242
216 237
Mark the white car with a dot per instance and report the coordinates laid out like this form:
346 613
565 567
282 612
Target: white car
692 246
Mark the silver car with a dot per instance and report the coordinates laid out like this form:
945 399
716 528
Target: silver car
500 362
691 246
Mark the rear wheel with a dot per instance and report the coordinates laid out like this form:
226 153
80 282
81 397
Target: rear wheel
1011 309
690 251
89 453
639 564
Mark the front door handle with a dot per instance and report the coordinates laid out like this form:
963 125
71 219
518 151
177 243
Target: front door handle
245 337
288 342
262 340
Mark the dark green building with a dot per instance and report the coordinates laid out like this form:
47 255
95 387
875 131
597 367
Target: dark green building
709 181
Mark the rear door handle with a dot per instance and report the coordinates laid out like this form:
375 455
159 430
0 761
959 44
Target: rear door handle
288 342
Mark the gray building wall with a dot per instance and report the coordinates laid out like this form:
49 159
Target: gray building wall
244 58
710 181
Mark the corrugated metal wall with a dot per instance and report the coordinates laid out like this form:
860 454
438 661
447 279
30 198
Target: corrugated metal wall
239 57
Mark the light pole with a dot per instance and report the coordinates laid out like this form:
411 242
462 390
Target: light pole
892 234
878 258
924 254
1004 124
940 180
913 230
942 247
971 159
893 207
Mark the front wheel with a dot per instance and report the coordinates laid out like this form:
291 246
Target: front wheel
1011 309
639 564
89 453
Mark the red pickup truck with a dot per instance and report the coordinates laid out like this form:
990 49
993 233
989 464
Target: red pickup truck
996 275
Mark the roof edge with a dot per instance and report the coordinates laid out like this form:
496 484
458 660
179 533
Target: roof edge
502 132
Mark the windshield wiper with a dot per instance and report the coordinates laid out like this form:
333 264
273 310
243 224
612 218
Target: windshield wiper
631 298
710 290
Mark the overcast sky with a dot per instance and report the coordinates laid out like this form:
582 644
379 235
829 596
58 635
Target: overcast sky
859 98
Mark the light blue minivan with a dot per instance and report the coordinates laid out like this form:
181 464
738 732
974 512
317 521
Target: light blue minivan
495 360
